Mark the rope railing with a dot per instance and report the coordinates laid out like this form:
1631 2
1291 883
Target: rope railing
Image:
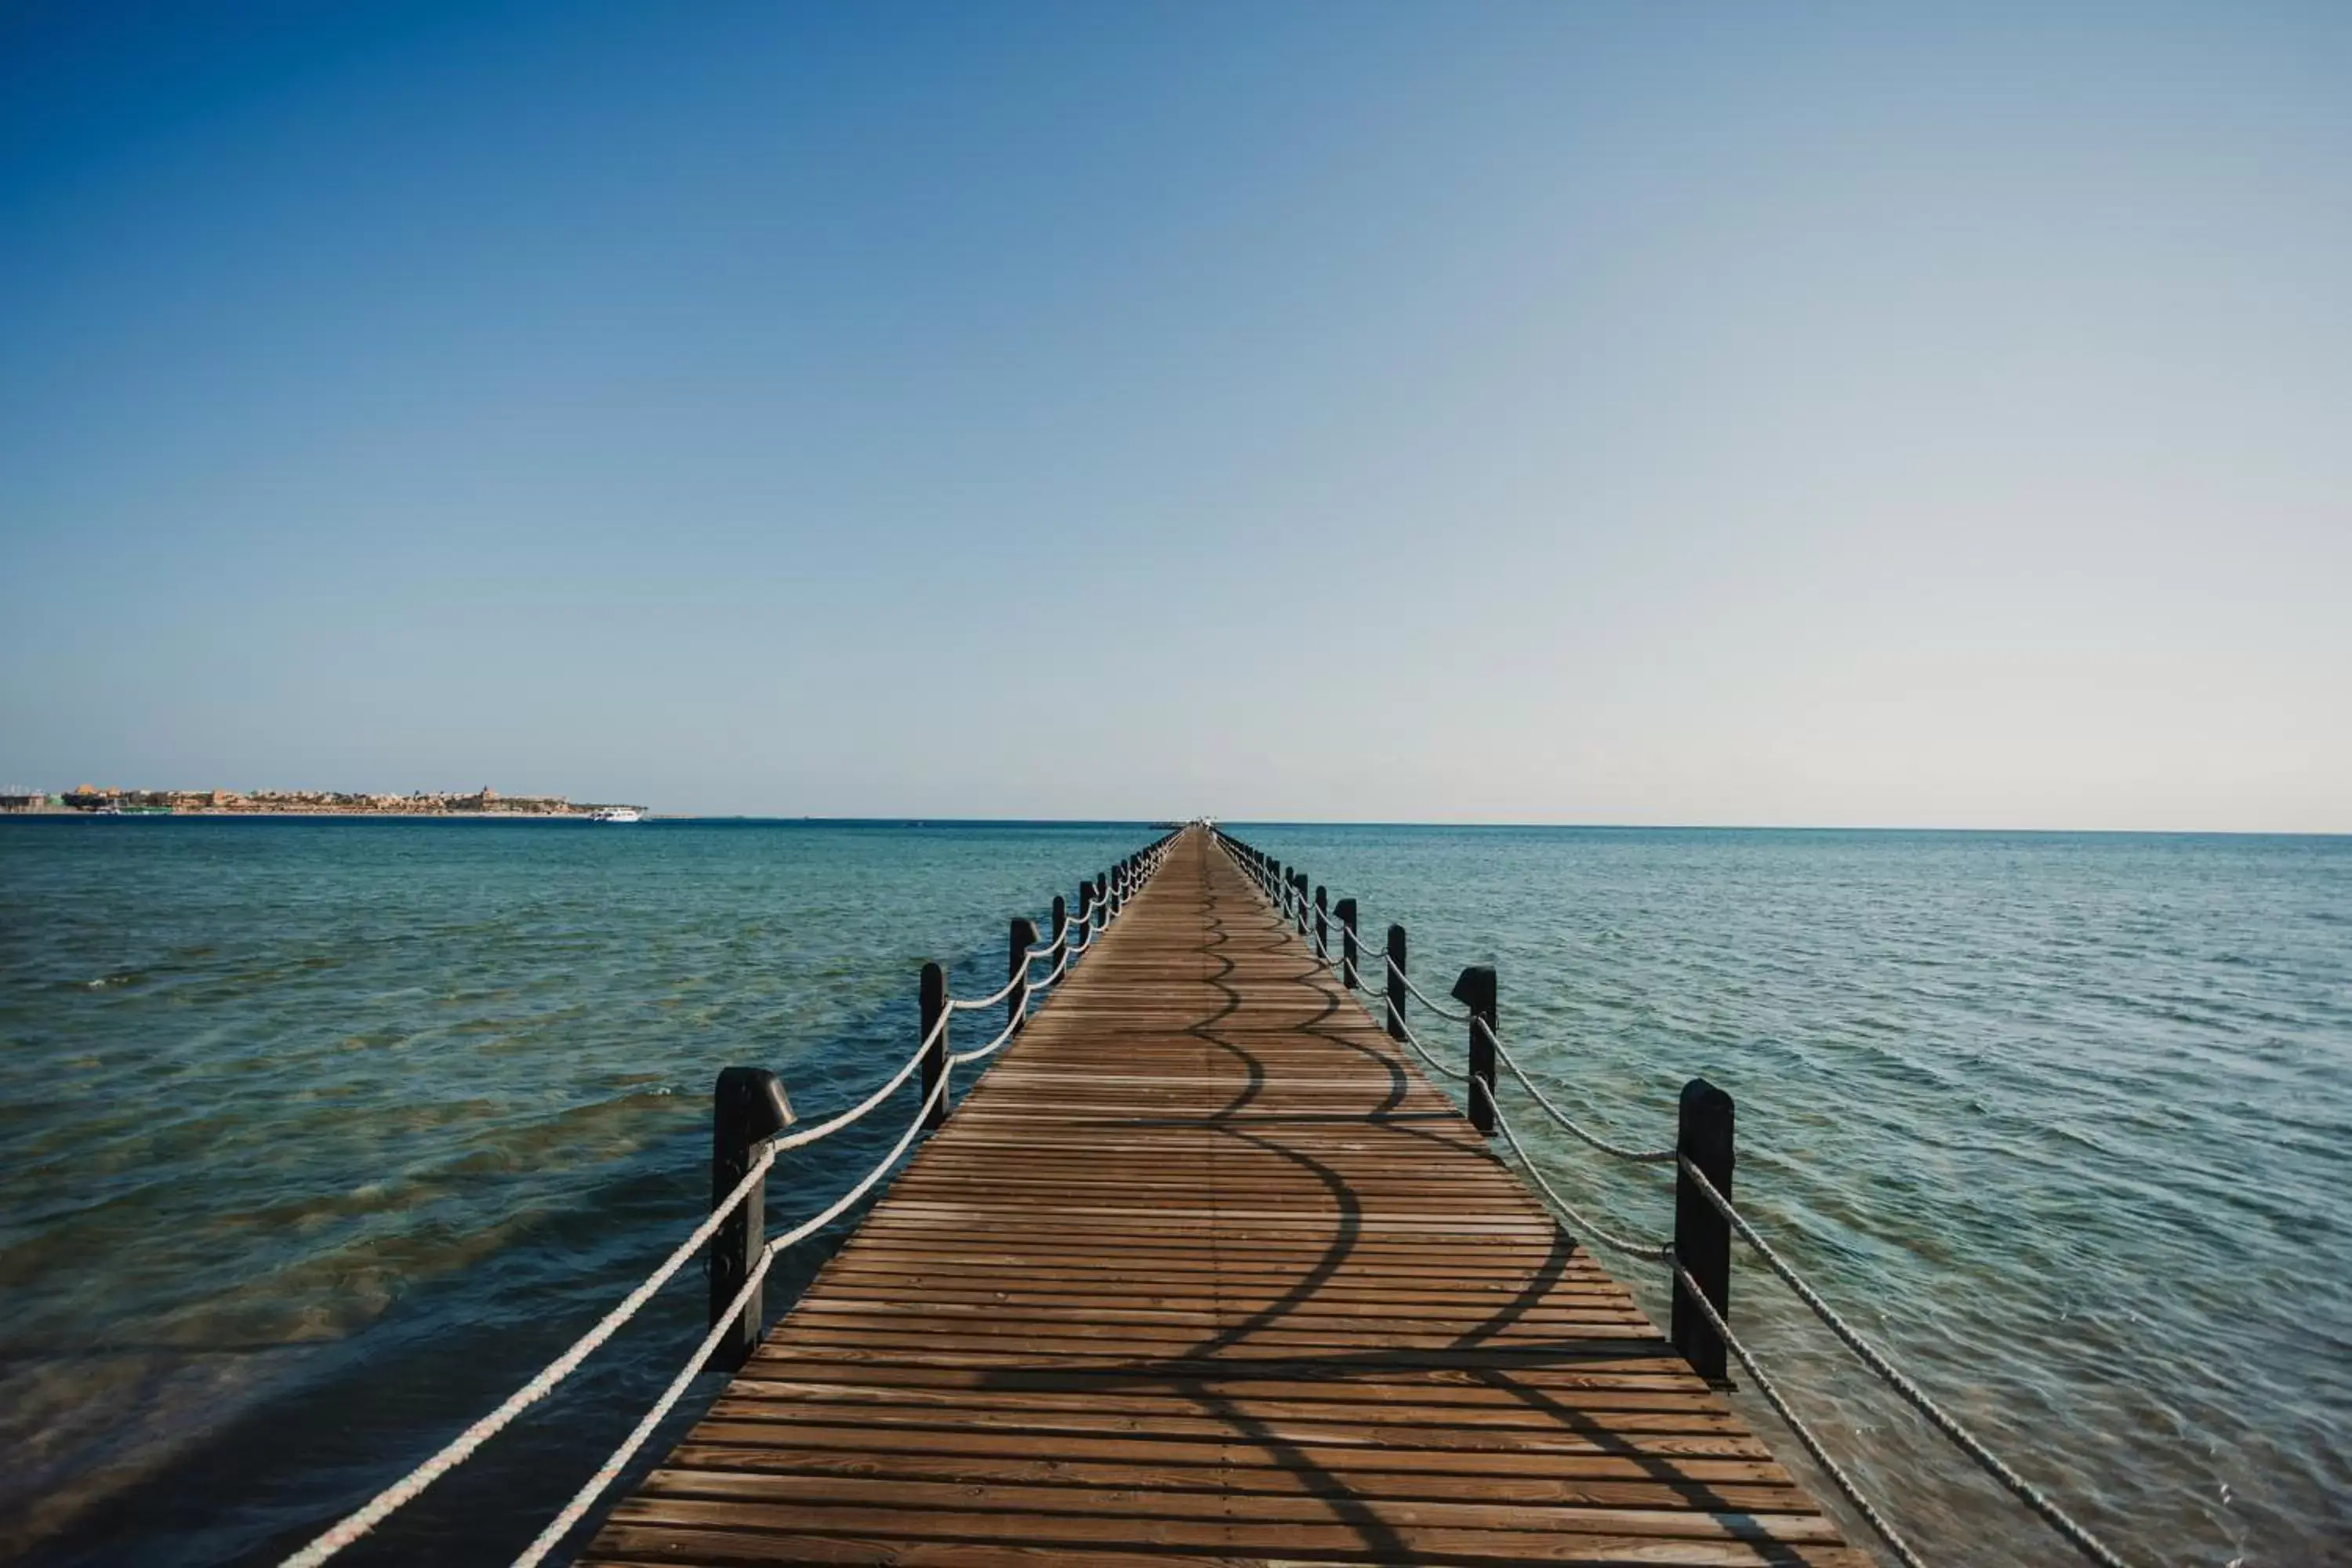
1943 1420
995 999
1290 901
461 1447
1439 1008
1405 1030
610 1470
1071 939
1569 1123
1061 968
1692 1292
1588 1227
978 1053
855 1113
1795 1423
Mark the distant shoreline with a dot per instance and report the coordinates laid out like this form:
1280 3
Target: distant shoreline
55 813
76 813
90 800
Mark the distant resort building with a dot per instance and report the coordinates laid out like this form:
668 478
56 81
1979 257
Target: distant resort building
112 802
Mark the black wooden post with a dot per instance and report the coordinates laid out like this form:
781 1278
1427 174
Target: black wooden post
1085 913
935 1055
1060 929
747 1108
1102 891
1016 968
1396 983
1475 991
1322 924
1702 1236
1299 886
1346 910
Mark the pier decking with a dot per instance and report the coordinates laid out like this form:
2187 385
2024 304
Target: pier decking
1203 1270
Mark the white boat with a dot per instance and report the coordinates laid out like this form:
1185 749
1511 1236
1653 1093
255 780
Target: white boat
616 813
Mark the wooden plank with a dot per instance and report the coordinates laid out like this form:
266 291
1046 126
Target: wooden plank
1203 1270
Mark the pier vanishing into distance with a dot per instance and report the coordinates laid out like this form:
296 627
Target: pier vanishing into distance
1202 1267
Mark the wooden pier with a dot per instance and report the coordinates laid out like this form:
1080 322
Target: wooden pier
1205 1270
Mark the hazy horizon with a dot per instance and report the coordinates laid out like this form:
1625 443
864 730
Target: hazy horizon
1770 417
949 819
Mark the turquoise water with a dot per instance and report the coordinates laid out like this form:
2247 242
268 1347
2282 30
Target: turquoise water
2060 1119
317 1137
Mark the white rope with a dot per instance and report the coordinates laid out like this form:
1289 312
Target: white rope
1621 1150
827 1129
461 1447
1591 1229
360 1521
1288 902
1060 969
1437 1007
1772 1396
1414 1041
610 1470
989 1049
1291 904
1943 1421
961 1004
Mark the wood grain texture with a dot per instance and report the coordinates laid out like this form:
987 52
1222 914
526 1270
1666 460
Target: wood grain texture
1203 1270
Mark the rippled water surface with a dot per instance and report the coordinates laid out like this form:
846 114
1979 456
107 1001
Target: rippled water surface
2061 1119
315 1138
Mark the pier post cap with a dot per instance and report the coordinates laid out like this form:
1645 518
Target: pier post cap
1706 1116
1346 910
1475 988
1699 1093
751 1102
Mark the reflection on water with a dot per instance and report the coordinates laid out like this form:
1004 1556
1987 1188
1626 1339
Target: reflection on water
316 1138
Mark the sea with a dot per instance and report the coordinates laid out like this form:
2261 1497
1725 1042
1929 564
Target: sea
319 1136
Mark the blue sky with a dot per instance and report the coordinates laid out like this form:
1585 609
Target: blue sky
1758 413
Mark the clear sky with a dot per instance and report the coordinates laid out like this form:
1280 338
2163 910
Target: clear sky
1727 412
